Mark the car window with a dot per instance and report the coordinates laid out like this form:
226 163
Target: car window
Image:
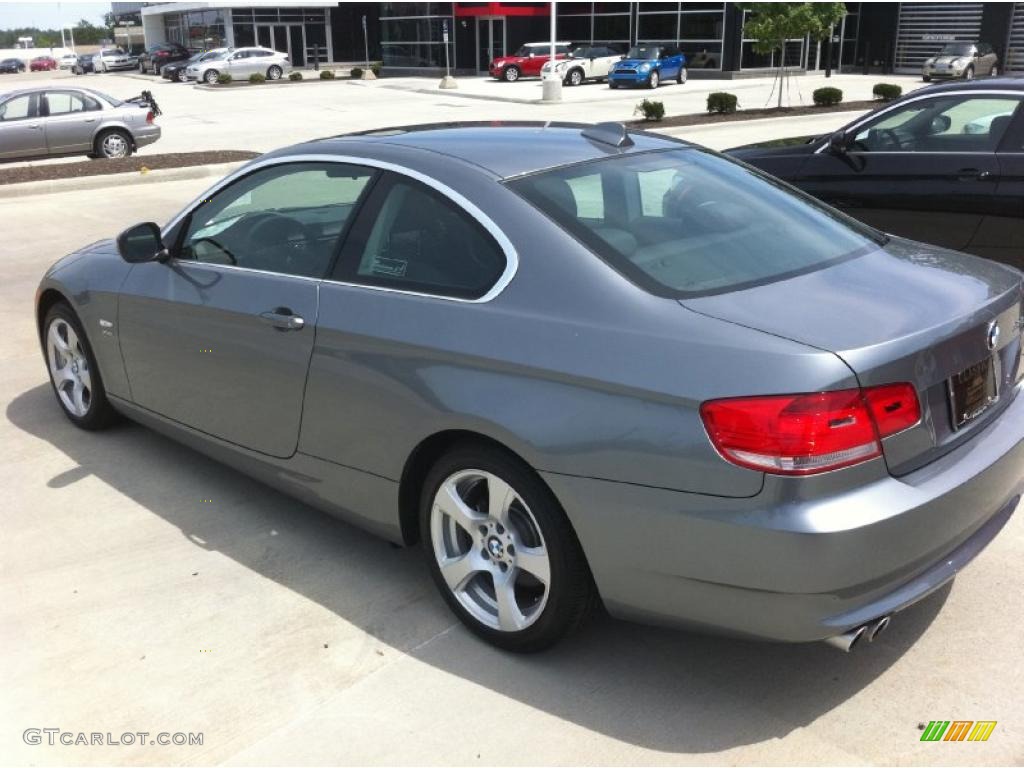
286 218
958 123
686 222
420 241
63 103
17 108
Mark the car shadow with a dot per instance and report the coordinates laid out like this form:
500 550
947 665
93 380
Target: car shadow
656 688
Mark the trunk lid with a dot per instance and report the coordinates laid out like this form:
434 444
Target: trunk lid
908 312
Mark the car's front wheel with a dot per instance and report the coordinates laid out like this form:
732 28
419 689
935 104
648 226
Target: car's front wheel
575 77
612 84
180 76
73 372
969 73
511 74
681 77
994 72
654 80
211 76
502 551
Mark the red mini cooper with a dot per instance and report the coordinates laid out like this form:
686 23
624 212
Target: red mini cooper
42 64
527 61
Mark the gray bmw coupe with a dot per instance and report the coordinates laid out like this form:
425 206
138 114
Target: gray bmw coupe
577 363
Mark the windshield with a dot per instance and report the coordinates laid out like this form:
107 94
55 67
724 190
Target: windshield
685 222
643 52
957 49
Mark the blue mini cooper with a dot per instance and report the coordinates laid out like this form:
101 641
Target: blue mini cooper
649 65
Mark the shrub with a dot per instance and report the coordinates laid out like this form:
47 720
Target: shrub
375 68
724 103
257 78
826 97
326 74
356 73
651 110
887 91
295 76
224 78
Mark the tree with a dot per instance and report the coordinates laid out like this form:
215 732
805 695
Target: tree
772 24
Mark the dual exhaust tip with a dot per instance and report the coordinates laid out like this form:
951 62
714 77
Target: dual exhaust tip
864 633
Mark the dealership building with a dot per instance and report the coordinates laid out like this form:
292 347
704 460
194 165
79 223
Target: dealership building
410 37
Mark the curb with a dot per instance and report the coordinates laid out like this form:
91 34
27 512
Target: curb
101 181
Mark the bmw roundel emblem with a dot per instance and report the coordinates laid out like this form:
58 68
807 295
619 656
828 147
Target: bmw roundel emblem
993 334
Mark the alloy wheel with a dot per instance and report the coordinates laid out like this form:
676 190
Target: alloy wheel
274 73
490 550
114 145
69 367
653 82
575 77
511 74
211 77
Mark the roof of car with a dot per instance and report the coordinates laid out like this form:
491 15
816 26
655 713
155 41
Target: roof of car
983 84
502 148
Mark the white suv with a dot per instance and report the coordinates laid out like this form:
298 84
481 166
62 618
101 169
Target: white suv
240 63
584 63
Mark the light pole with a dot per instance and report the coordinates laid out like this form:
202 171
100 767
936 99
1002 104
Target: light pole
447 81
551 87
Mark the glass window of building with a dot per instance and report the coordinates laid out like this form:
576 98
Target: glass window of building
696 28
412 34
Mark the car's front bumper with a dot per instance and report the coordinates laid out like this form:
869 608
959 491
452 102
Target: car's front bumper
940 73
792 564
629 78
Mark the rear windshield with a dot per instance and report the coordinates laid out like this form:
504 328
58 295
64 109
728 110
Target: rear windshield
685 223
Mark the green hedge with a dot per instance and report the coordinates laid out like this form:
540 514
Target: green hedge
826 97
651 110
887 91
224 78
356 73
257 78
326 74
724 103
295 76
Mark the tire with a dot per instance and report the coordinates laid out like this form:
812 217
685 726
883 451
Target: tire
969 73
180 76
994 72
113 144
74 375
654 80
612 84
575 77
682 76
533 615
210 76
274 72
510 74
926 78
142 68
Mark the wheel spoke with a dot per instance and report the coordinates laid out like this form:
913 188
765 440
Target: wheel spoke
499 498
534 561
457 571
55 339
86 377
510 617
78 397
62 376
451 504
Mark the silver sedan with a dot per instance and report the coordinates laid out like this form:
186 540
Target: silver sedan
51 122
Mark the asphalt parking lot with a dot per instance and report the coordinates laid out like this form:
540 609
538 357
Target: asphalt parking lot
145 588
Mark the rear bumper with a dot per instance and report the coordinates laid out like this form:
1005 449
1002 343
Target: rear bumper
147 135
785 566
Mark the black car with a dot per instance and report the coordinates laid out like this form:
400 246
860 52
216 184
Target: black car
944 165
157 56
11 66
176 72
83 65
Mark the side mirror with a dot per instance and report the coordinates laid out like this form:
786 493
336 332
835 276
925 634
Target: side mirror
939 124
142 243
532 55
837 143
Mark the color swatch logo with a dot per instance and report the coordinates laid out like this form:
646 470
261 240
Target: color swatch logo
958 730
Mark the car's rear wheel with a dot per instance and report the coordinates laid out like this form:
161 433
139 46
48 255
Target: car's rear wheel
681 77
74 374
113 144
654 80
511 73
274 72
502 551
211 76
575 77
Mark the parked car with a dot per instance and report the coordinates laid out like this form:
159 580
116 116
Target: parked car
83 65
649 65
113 59
42 64
942 165
11 66
155 57
67 60
177 71
584 63
723 405
961 60
527 61
240 63
50 122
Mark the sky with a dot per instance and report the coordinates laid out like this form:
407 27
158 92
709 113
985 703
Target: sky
49 15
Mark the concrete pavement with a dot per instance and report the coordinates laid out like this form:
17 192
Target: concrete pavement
145 588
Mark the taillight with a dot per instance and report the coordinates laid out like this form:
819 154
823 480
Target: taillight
809 433
150 117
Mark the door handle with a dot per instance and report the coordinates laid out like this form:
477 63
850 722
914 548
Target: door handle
972 174
33 126
283 319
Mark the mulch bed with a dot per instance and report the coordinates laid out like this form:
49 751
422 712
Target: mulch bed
755 114
124 165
